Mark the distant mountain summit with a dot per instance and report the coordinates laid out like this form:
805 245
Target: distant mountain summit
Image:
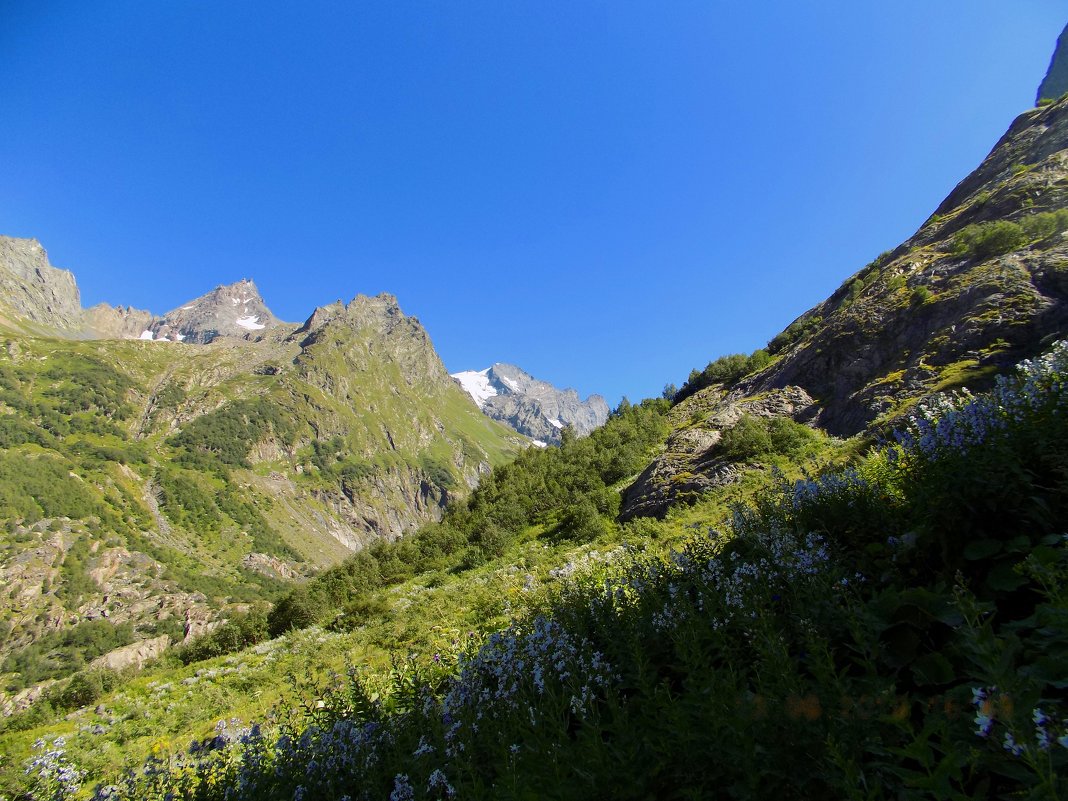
236 310
1055 83
532 407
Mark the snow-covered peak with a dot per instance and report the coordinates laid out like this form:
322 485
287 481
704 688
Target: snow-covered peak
532 407
476 383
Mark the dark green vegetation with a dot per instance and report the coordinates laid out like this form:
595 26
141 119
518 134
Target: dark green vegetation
894 630
726 370
157 484
990 239
565 489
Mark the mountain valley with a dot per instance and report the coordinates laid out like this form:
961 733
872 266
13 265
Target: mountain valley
250 559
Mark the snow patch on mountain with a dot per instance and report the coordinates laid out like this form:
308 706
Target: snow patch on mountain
476 383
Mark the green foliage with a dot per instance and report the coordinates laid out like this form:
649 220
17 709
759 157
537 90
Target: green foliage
1045 224
229 433
581 522
76 584
438 471
726 370
753 437
185 502
797 330
569 486
58 654
920 295
240 631
989 239
32 487
82 689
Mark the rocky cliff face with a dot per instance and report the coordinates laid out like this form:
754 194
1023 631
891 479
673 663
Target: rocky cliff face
936 312
33 291
532 407
981 285
1055 83
236 310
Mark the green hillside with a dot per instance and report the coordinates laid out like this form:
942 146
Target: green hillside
149 488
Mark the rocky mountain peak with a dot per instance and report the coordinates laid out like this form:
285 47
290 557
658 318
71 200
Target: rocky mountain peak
1055 83
368 330
32 290
363 310
234 310
535 408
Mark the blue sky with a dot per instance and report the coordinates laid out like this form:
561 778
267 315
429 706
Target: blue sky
604 193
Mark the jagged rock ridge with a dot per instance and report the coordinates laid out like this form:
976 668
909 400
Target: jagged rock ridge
1055 83
532 407
37 298
929 316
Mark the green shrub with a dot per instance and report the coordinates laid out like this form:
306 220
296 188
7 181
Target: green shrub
239 632
229 433
797 330
989 239
752 437
581 522
1045 224
726 370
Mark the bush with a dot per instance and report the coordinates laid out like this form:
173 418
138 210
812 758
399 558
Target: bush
298 610
82 689
239 632
989 239
726 370
1045 224
581 523
752 437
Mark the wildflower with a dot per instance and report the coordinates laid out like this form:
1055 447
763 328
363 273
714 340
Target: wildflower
438 780
1041 731
402 788
1011 745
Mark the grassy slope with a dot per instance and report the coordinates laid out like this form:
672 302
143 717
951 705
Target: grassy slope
128 493
433 612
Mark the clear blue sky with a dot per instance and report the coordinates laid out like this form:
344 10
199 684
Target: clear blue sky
604 193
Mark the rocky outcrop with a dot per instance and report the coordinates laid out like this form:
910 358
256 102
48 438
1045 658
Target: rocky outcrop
534 408
32 290
104 321
690 464
932 315
363 334
235 310
136 655
1055 84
